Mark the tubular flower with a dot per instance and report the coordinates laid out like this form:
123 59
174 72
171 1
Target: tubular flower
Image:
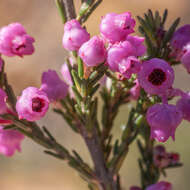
156 76
10 141
15 41
116 27
184 105
163 120
32 105
93 52
74 35
53 86
162 185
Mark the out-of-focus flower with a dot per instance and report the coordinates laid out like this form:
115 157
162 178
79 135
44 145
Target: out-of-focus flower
74 35
180 38
185 60
10 141
53 86
163 120
32 105
160 157
130 65
93 52
173 158
162 185
15 41
156 76
184 105
116 27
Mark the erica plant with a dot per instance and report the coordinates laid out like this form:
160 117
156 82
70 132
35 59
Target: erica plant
119 66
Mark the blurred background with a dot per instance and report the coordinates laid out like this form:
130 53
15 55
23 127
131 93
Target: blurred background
32 169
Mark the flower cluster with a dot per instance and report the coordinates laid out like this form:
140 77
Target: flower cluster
131 74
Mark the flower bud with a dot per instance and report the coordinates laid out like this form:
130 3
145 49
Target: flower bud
93 52
74 35
116 27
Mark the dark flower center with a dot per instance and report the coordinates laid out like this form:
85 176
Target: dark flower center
37 104
157 77
22 46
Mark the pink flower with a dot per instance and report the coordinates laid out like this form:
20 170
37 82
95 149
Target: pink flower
163 120
53 86
15 41
129 66
137 43
162 185
10 141
156 76
93 52
32 105
116 27
118 52
74 35
184 105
